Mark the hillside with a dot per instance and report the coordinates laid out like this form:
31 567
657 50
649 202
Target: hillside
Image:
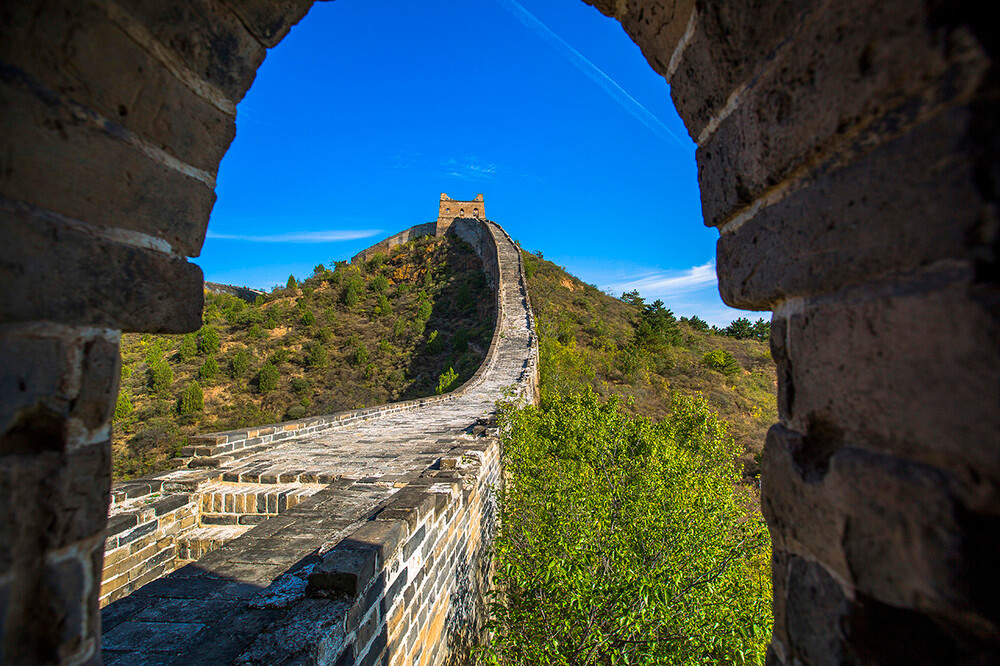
641 352
387 330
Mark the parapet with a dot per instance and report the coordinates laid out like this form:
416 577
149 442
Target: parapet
451 209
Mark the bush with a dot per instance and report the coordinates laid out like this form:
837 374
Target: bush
255 332
267 378
123 406
379 284
239 364
435 343
460 341
192 400
445 381
300 385
360 354
208 369
317 357
619 543
209 340
189 347
352 294
159 377
308 318
722 361
296 412
383 308
279 356
291 284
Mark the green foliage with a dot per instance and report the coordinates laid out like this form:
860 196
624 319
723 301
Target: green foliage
464 300
317 356
189 347
722 361
291 284
424 310
159 377
300 385
446 380
192 400
267 378
208 369
379 284
742 329
697 323
308 318
256 332
352 293
435 343
383 308
239 364
360 354
657 327
619 544
209 340
295 412
375 262
123 406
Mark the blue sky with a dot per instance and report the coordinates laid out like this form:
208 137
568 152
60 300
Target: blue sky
370 109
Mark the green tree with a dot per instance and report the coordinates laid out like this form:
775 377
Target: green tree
741 329
445 381
192 400
123 406
308 318
159 377
460 341
762 330
291 284
267 378
189 347
208 369
300 385
722 361
435 343
210 342
317 356
698 324
383 308
379 284
239 364
352 293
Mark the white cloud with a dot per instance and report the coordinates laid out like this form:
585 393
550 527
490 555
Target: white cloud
668 284
330 236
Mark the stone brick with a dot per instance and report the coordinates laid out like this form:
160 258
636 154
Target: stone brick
910 202
128 287
270 20
100 178
834 89
68 53
343 572
872 361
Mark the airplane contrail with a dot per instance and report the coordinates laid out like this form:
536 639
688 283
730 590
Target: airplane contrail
615 91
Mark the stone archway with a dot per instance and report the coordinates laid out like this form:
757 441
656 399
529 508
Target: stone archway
847 153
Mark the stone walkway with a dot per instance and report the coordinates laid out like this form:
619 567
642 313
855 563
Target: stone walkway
210 611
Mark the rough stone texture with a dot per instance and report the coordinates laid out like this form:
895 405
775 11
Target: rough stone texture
451 209
850 156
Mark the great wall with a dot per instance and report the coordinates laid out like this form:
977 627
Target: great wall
372 527
847 154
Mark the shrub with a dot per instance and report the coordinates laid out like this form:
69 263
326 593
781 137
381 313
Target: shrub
352 294
317 357
255 332
239 364
279 356
208 369
370 370
424 310
375 262
123 406
360 354
435 343
189 347
300 385
192 400
619 543
308 318
722 361
383 308
159 377
296 412
209 340
379 284
267 378
445 381
464 300
291 284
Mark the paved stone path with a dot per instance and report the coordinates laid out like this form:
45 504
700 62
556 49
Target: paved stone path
211 610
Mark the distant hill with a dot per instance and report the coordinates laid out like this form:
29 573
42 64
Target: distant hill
640 351
362 334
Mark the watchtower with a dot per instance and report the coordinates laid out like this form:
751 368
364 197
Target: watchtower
449 209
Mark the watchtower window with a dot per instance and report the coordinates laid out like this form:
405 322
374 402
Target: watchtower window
475 212
462 212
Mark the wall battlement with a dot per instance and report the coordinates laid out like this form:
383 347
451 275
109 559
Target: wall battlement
451 209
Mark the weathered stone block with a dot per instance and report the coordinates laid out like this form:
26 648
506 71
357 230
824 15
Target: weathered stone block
908 203
343 572
831 89
270 20
61 274
99 177
875 362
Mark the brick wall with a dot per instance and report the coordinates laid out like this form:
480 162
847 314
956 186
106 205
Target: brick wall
384 246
